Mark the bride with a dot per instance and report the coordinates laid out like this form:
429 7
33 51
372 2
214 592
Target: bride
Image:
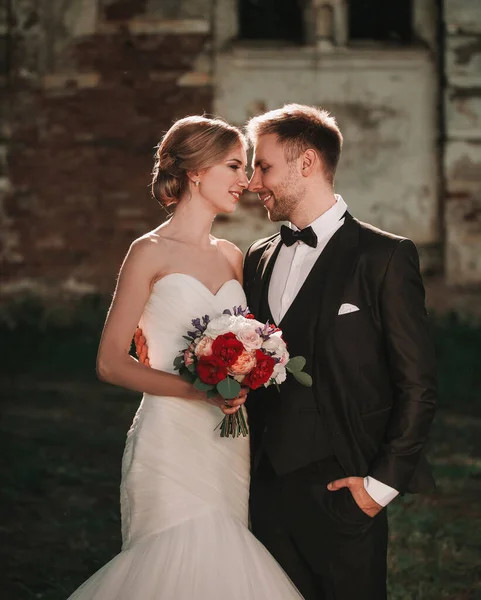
184 490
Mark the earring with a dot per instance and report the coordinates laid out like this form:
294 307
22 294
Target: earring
196 182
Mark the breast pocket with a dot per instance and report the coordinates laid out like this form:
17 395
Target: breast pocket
346 325
354 333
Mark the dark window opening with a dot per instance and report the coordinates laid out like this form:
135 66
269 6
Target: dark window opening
271 20
381 20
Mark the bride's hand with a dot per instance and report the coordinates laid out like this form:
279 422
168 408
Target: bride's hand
230 407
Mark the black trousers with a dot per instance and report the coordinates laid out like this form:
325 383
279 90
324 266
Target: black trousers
327 545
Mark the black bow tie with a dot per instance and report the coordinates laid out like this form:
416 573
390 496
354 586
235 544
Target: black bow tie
291 236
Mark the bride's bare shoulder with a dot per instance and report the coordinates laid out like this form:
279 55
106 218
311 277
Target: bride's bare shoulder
149 248
152 241
232 253
228 248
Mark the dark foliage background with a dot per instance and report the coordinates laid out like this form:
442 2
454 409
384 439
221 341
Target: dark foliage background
62 436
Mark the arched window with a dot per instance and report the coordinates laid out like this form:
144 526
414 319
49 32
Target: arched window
381 20
271 20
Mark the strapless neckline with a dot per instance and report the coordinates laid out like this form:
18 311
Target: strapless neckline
191 277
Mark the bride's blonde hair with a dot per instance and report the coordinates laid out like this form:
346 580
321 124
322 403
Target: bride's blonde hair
191 144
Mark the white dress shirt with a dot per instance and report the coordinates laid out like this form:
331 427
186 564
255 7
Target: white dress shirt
291 269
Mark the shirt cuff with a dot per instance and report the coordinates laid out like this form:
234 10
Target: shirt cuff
379 491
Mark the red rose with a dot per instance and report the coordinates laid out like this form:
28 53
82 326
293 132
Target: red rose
262 371
211 369
228 348
250 316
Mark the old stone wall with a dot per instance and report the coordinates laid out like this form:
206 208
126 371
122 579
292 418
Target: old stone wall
91 86
385 104
462 158
385 98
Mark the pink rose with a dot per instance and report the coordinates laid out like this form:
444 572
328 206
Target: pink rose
204 347
248 335
244 364
188 358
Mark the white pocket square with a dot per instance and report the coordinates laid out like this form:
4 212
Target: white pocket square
347 308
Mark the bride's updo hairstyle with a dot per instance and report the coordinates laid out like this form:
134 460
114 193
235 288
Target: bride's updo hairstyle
191 144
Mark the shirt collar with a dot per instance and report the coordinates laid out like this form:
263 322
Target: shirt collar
328 220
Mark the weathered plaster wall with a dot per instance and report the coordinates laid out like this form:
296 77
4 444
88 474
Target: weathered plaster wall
462 157
385 103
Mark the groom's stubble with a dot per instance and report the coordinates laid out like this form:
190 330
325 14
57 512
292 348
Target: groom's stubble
288 195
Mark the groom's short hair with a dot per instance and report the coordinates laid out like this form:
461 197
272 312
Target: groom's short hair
300 127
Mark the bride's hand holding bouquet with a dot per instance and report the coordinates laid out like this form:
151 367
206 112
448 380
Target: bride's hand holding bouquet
231 354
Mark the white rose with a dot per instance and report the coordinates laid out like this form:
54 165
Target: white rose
275 344
279 374
221 325
254 322
283 357
249 337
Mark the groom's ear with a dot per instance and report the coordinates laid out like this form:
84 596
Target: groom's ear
309 161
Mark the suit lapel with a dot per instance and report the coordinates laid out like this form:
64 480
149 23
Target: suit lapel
338 274
335 274
264 272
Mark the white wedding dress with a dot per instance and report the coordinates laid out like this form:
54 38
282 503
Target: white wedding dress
184 491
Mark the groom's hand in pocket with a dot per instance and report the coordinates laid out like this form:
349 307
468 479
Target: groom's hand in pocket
358 491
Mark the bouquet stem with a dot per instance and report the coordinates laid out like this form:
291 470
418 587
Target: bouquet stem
234 425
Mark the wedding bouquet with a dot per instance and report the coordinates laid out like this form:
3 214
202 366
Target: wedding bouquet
235 349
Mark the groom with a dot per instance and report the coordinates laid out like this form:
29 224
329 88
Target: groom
349 298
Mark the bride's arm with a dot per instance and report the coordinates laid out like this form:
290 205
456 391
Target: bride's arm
114 363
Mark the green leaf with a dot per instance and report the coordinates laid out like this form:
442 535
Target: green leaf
203 387
296 364
303 378
191 368
228 388
212 393
178 361
189 339
186 375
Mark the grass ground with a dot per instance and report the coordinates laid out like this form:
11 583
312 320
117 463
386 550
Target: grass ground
63 444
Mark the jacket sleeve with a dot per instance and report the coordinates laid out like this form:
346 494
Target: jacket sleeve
412 368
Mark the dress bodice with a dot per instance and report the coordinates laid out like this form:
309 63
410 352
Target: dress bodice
175 300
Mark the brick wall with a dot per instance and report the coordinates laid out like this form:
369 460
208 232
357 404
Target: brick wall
90 92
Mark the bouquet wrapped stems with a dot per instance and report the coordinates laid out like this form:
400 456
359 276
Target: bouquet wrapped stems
234 425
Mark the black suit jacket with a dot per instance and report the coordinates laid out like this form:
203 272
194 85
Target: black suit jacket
374 370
